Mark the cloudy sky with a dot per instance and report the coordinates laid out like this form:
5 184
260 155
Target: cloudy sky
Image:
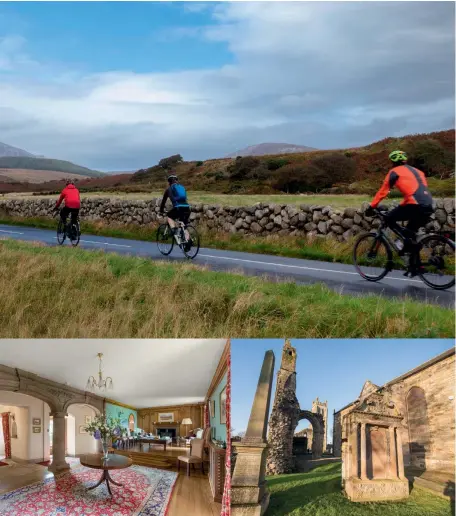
117 86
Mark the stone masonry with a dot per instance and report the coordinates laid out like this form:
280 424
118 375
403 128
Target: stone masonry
284 417
260 219
425 396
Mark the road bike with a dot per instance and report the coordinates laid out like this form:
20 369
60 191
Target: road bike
184 235
68 230
431 257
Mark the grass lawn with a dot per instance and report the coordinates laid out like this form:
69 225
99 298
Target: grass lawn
69 293
318 493
337 201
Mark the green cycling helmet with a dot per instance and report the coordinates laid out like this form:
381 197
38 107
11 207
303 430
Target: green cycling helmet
398 156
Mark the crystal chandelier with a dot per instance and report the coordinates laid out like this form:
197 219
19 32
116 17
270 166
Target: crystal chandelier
101 384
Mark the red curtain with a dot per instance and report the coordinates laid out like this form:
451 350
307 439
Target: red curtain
6 434
226 501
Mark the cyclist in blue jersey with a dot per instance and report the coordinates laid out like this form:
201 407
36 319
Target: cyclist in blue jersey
177 194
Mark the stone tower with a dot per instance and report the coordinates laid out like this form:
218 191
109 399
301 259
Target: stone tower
320 407
284 416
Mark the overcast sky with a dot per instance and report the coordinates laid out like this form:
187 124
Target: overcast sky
116 86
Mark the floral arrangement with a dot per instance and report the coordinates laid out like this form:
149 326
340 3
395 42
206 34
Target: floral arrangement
104 427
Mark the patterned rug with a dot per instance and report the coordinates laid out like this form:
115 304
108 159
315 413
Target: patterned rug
145 492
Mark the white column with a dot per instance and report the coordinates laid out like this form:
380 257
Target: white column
363 452
58 464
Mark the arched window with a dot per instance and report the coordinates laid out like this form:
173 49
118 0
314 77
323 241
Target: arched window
418 426
131 422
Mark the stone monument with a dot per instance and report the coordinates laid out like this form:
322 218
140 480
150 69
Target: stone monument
372 457
249 494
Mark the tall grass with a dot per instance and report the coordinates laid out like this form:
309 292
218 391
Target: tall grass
65 292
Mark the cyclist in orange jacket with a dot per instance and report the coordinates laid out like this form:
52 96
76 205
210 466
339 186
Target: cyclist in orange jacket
416 207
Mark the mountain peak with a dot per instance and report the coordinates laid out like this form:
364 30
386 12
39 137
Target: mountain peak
8 151
263 149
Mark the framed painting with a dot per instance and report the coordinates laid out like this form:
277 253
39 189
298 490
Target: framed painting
36 421
213 408
87 420
37 429
223 407
166 417
82 430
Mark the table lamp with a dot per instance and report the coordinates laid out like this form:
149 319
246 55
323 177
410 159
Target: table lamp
186 421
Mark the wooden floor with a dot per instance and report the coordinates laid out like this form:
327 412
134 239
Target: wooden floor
191 495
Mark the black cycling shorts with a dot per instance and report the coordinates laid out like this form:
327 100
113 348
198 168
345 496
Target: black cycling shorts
181 213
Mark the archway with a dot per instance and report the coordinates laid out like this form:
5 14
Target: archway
418 427
131 423
318 431
25 425
79 415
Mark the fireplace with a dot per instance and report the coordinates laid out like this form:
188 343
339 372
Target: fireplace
166 432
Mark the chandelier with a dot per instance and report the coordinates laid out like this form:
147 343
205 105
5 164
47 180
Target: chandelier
101 384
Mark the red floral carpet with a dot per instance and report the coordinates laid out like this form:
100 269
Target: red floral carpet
145 491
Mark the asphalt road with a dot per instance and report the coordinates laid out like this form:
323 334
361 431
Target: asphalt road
339 277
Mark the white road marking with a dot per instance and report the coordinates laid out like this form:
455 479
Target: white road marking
11 232
300 267
102 243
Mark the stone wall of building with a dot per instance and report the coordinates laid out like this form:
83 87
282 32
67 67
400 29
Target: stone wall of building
260 219
436 426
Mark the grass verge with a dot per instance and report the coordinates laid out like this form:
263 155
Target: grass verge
69 293
318 493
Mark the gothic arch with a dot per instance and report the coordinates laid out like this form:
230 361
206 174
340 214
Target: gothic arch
418 426
318 431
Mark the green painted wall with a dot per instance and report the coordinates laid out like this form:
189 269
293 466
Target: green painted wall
220 430
113 411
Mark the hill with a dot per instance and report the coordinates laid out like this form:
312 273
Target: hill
10 151
56 165
264 149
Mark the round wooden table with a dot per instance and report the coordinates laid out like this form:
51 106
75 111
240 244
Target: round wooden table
96 461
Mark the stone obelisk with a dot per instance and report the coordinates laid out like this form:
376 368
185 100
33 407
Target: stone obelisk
249 494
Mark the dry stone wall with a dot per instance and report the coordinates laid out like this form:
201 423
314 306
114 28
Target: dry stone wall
260 219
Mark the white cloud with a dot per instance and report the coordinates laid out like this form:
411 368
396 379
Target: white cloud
318 74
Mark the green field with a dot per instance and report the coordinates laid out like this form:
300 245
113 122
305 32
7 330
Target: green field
49 292
337 201
318 493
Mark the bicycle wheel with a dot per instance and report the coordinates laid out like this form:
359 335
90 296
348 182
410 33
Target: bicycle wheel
165 239
61 234
191 247
75 234
372 257
436 261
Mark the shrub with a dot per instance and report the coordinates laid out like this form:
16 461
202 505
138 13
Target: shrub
430 157
199 163
275 164
336 168
299 179
170 161
348 154
242 167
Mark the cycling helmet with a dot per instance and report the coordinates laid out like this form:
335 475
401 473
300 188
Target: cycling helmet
172 178
398 156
